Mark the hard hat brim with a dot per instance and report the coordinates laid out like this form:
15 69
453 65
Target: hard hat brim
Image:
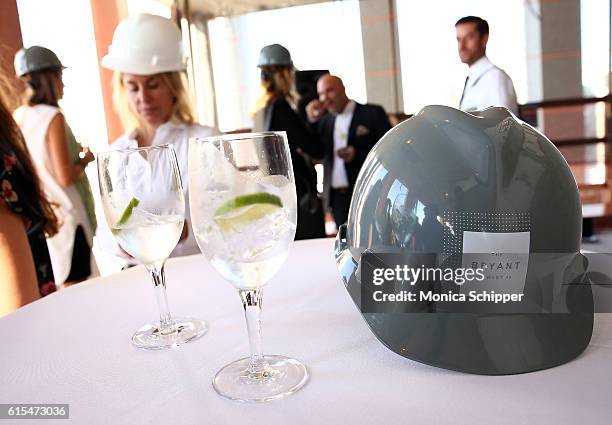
111 63
21 73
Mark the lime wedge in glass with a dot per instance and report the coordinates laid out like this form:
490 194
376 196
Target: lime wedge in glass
127 213
245 209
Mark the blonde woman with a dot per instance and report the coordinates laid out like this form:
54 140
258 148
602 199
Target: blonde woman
150 95
60 162
275 113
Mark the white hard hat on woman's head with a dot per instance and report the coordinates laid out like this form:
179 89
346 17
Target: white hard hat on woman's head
145 45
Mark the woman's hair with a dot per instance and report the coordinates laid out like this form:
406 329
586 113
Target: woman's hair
181 112
276 83
11 135
41 87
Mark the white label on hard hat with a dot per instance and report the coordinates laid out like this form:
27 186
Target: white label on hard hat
504 257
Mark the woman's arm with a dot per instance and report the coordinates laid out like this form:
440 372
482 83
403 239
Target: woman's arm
66 172
18 282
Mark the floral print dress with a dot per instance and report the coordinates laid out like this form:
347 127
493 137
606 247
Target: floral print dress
17 192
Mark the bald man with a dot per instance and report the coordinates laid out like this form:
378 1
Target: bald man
348 130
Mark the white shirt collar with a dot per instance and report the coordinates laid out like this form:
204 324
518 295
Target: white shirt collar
479 67
161 131
349 108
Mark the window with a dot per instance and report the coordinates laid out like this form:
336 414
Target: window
595 39
431 70
433 74
71 37
319 36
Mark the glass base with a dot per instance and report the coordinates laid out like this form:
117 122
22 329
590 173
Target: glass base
152 337
282 376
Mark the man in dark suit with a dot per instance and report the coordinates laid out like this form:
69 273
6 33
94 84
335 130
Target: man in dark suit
348 130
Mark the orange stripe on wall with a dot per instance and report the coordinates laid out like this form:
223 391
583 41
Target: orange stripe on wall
565 109
106 15
383 73
556 55
374 19
553 1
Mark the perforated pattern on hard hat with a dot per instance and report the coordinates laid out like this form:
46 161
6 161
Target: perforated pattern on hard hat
459 222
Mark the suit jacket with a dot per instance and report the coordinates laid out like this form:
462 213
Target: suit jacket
368 125
280 116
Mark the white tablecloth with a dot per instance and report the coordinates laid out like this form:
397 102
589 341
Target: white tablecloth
74 347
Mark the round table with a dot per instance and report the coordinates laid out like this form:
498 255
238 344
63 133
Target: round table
74 347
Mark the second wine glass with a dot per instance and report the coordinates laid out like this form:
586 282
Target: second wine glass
244 212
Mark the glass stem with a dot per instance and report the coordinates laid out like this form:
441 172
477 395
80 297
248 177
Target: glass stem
158 277
251 301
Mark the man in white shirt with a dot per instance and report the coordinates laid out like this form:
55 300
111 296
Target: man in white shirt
486 84
348 131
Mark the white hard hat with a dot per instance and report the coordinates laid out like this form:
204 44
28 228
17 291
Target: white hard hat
145 45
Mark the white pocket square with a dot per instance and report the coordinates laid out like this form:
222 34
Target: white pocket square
361 130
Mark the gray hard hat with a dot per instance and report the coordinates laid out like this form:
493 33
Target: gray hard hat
449 188
274 55
35 58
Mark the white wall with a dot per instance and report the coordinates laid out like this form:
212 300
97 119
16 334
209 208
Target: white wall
431 70
66 27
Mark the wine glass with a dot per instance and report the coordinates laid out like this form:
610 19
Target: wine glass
244 215
144 205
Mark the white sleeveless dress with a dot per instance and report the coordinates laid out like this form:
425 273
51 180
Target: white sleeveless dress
34 122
